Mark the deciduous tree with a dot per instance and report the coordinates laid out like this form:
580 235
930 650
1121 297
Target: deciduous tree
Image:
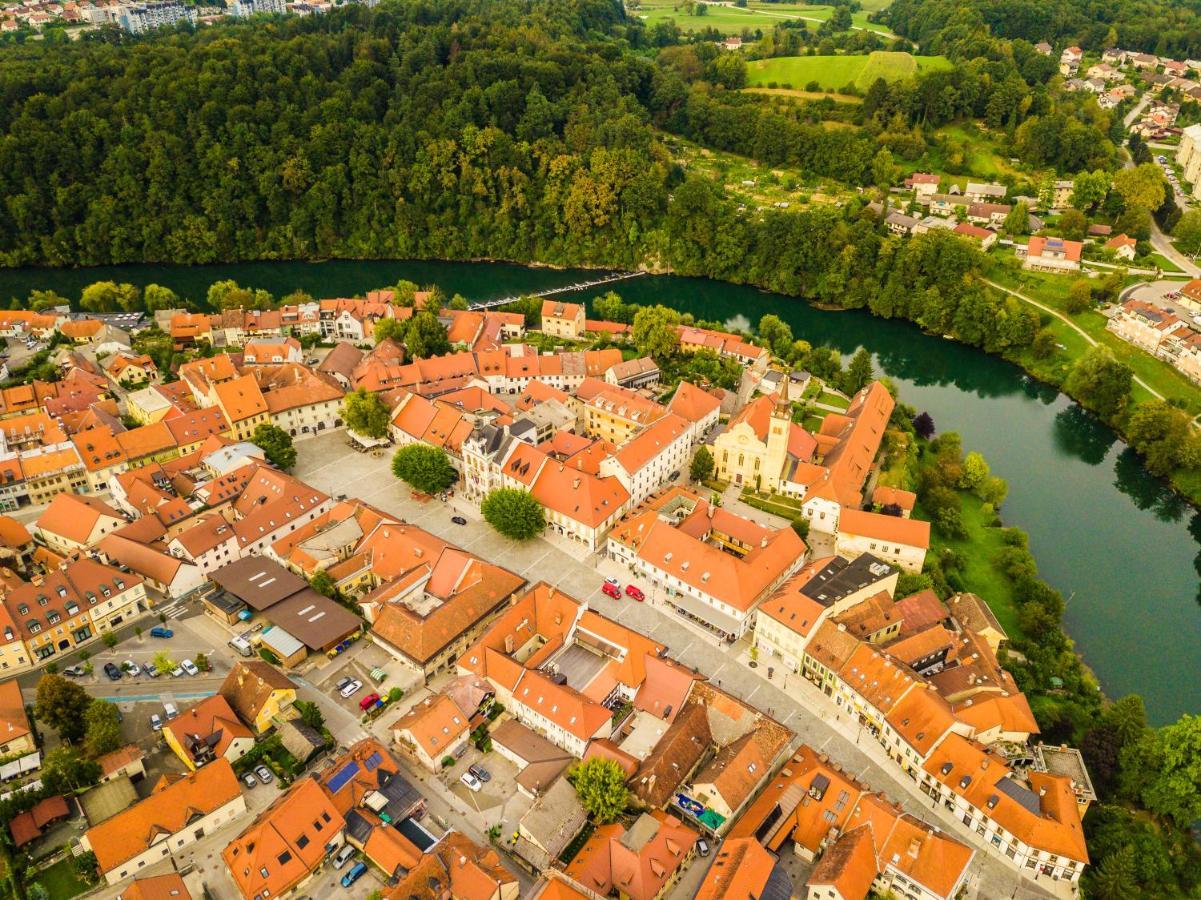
102 724
601 786
655 331
276 444
61 704
425 468
701 468
366 413
1100 382
514 513
426 336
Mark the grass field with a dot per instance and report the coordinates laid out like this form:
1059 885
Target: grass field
60 880
730 19
835 72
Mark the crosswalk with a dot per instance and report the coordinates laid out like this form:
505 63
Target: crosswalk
176 609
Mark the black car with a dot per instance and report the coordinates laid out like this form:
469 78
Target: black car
458 520
112 671
480 772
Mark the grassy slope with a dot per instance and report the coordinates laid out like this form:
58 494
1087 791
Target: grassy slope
760 16
834 72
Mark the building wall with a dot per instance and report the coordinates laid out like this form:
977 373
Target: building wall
908 558
278 701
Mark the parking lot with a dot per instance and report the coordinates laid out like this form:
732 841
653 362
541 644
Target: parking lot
1165 295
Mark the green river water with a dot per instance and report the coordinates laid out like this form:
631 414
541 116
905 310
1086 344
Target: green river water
1114 540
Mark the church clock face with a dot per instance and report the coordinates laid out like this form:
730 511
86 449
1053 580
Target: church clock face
742 439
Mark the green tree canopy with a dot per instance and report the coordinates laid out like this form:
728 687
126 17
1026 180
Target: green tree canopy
701 468
1162 433
1017 221
1188 232
424 468
276 444
1100 382
65 770
514 513
159 297
366 413
426 336
102 723
62 705
391 329
108 296
601 786
1142 187
776 334
859 373
655 331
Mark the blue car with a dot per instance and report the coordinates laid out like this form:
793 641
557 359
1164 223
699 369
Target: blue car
160 632
354 874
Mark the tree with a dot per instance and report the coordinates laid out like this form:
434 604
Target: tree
1044 344
276 444
1188 233
163 664
85 866
1115 878
1080 296
1141 187
458 302
61 704
610 307
1161 433
885 171
1018 219
655 332
390 330
159 297
228 294
323 583
108 296
859 373
1073 225
102 728
701 468
1089 190
975 472
923 425
1168 763
310 714
40 300
424 468
514 513
1100 382
366 414
776 334
600 785
426 336
65 770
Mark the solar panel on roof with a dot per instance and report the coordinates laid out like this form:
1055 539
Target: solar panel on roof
343 777
373 761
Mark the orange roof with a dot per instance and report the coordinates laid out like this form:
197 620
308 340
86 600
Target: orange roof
157 887
611 861
81 329
192 427
16 428
167 811
891 496
564 706
146 441
692 402
98 448
891 529
740 870
921 718
577 495
285 842
13 534
434 724
848 865
13 721
650 442
73 516
1006 711
390 850
38 465
791 607
555 309
149 562
1070 249
212 716
241 399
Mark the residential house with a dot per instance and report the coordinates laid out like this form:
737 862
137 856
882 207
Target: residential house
1069 60
551 823
16 734
128 369
207 731
922 183
564 320
73 522
259 693
981 236
1061 197
432 729
697 407
181 811
643 863
978 192
635 373
651 458
1052 254
901 542
243 405
272 351
1123 246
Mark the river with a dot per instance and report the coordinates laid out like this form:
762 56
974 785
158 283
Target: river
1119 545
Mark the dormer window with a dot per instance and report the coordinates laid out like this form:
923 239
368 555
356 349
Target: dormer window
62 591
23 609
104 589
42 601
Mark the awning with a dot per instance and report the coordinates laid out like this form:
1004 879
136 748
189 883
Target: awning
714 618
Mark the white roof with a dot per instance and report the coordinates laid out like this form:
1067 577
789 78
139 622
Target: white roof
280 642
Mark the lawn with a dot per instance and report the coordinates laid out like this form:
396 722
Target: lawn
730 19
976 552
835 72
832 399
983 155
61 882
1052 290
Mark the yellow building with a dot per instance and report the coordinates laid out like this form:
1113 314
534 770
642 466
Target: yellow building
563 319
15 732
243 404
259 693
616 414
147 406
753 450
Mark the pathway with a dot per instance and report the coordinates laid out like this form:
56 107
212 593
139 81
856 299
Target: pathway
578 286
1084 334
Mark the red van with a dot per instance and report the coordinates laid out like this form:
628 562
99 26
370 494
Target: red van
369 701
611 590
632 591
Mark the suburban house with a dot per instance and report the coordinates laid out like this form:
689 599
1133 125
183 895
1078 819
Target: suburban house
73 522
432 729
1122 245
922 183
981 236
977 192
896 540
207 731
180 812
259 693
565 320
1051 254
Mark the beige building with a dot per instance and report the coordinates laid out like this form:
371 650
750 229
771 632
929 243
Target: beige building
753 449
1188 155
564 320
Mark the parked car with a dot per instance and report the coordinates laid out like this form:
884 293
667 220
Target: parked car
702 847
611 590
350 688
342 682
613 581
112 671
177 672
249 780
480 772
73 671
632 591
156 722
159 631
369 701
170 710
190 667
149 670
354 874
458 520
471 782
263 774
343 856
131 668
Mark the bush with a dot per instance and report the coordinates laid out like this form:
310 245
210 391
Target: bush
448 761
268 656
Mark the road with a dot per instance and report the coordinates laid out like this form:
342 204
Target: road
326 463
1158 239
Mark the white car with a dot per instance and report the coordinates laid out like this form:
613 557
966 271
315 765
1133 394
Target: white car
156 722
350 689
472 783
190 667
